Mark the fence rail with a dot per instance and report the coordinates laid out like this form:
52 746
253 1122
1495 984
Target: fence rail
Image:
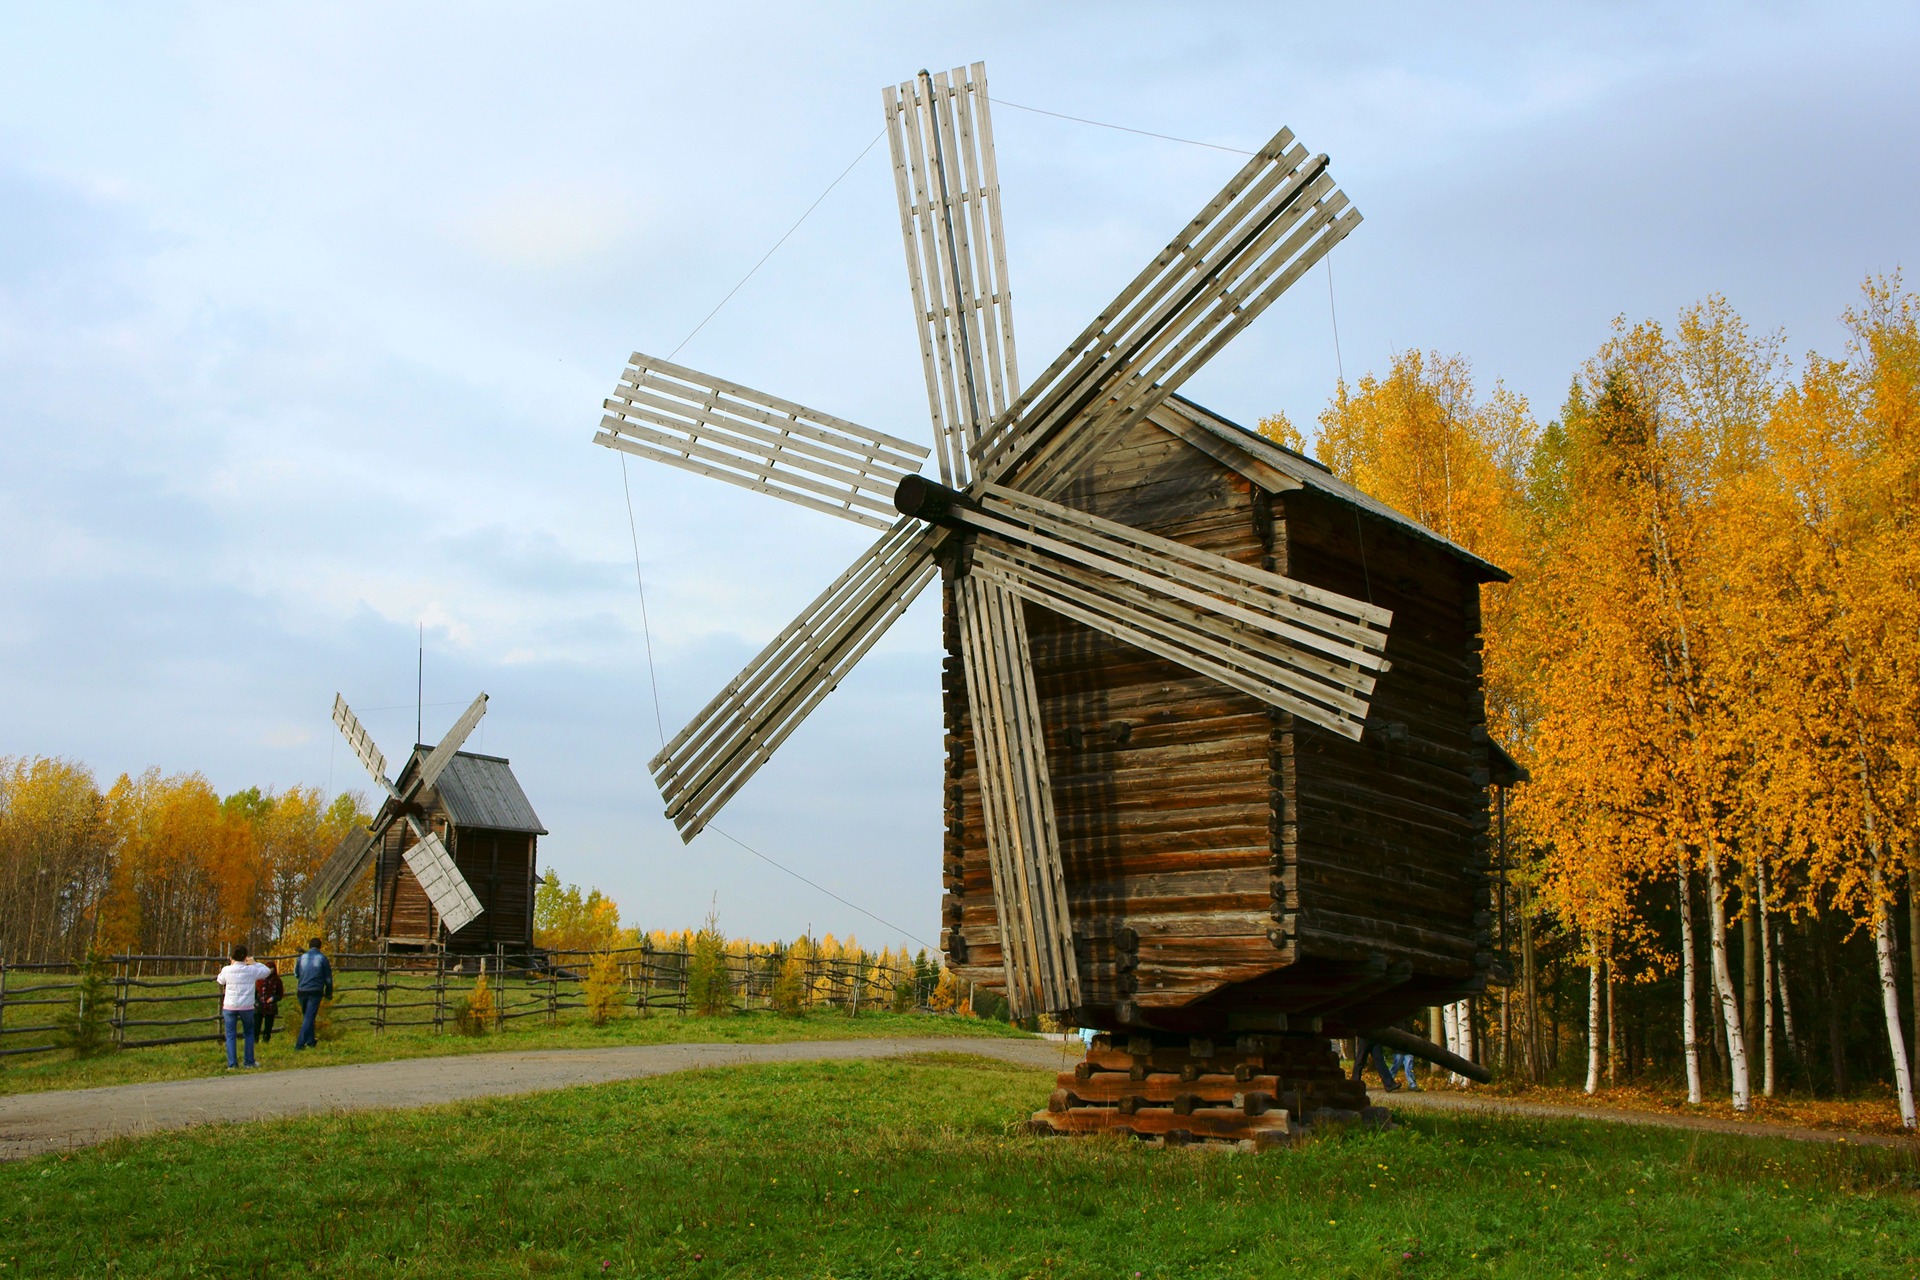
382 989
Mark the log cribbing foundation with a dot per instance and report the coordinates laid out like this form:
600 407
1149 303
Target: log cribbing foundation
1255 1091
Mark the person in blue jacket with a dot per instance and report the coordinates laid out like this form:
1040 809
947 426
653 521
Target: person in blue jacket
313 982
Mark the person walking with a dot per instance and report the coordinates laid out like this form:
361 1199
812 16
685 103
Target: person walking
312 983
267 994
238 983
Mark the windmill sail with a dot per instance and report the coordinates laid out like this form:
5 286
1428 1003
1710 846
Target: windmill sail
712 427
1023 840
338 874
445 887
1280 214
940 131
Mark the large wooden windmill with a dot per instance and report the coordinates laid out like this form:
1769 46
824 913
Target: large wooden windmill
1174 808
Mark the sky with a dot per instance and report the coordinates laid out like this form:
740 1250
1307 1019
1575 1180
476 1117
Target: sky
307 312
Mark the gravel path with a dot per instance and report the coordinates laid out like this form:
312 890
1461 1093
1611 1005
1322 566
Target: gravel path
34 1123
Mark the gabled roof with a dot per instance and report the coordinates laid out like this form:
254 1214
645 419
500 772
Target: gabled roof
1278 469
479 791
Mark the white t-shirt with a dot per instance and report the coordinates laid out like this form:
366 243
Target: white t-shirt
237 979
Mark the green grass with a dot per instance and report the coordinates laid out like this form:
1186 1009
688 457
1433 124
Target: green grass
915 1170
182 1061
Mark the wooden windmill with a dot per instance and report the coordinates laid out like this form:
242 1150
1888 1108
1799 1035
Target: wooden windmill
452 847
1157 653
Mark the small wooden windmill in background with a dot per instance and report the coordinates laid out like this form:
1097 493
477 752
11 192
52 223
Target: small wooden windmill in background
452 848
1216 759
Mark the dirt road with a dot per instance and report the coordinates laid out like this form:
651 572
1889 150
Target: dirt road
33 1123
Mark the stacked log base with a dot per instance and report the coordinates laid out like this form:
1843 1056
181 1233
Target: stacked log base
1256 1092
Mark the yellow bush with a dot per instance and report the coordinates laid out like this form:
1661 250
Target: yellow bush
603 988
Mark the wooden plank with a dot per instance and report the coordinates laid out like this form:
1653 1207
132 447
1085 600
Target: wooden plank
824 426
625 445
1095 606
768 470
1222 252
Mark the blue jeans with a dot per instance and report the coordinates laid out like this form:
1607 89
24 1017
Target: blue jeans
1403 1063
238 1018
309 1010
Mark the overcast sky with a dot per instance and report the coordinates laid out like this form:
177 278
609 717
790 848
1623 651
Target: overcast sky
306 314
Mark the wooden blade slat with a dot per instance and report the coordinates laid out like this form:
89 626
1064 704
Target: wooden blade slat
761 471
1211 281
738 731
1091 599
670 413
1246 605
436 761
1343 687
947 183
1204 328
1072 380
1029 877
640 449
1356 621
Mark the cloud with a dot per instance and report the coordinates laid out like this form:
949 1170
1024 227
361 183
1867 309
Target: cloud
545 227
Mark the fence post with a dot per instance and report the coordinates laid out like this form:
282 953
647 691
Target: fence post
686 983
3 994
440 992
553 992
120 1003
380 994
500 985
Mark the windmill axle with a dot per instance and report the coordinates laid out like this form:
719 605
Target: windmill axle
931 501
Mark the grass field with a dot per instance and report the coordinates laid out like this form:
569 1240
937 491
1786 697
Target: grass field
181 1061
914 1170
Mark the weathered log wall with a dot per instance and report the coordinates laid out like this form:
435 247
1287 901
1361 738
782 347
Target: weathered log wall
1222 860
1162 779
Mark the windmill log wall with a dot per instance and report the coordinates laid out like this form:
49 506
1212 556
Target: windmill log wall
500 865
1223 863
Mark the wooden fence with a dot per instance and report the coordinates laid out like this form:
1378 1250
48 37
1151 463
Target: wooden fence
161 1000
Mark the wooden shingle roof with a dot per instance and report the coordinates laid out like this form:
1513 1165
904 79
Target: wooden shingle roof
480 791
1276 470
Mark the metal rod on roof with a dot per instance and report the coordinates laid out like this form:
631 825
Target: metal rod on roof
420 683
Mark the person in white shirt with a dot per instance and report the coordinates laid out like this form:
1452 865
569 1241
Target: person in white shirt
236 1000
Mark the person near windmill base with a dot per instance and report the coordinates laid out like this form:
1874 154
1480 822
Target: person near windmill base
238 984
312 983
267 994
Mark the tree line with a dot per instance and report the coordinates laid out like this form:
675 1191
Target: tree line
1709 661
161 865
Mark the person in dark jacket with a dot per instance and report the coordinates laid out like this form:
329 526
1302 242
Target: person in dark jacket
267 994
312 983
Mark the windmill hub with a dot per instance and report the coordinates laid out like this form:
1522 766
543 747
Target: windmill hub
929 500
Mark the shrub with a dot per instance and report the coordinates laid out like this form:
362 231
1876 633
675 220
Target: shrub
473 1012
790 984
903 994
86 1023
709 985
603 988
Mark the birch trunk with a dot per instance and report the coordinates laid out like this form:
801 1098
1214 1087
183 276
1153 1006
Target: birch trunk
1883 947
1766 981
1786 1003
1913 959
1689 1036
1723 985
1593 1026
1613 1024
